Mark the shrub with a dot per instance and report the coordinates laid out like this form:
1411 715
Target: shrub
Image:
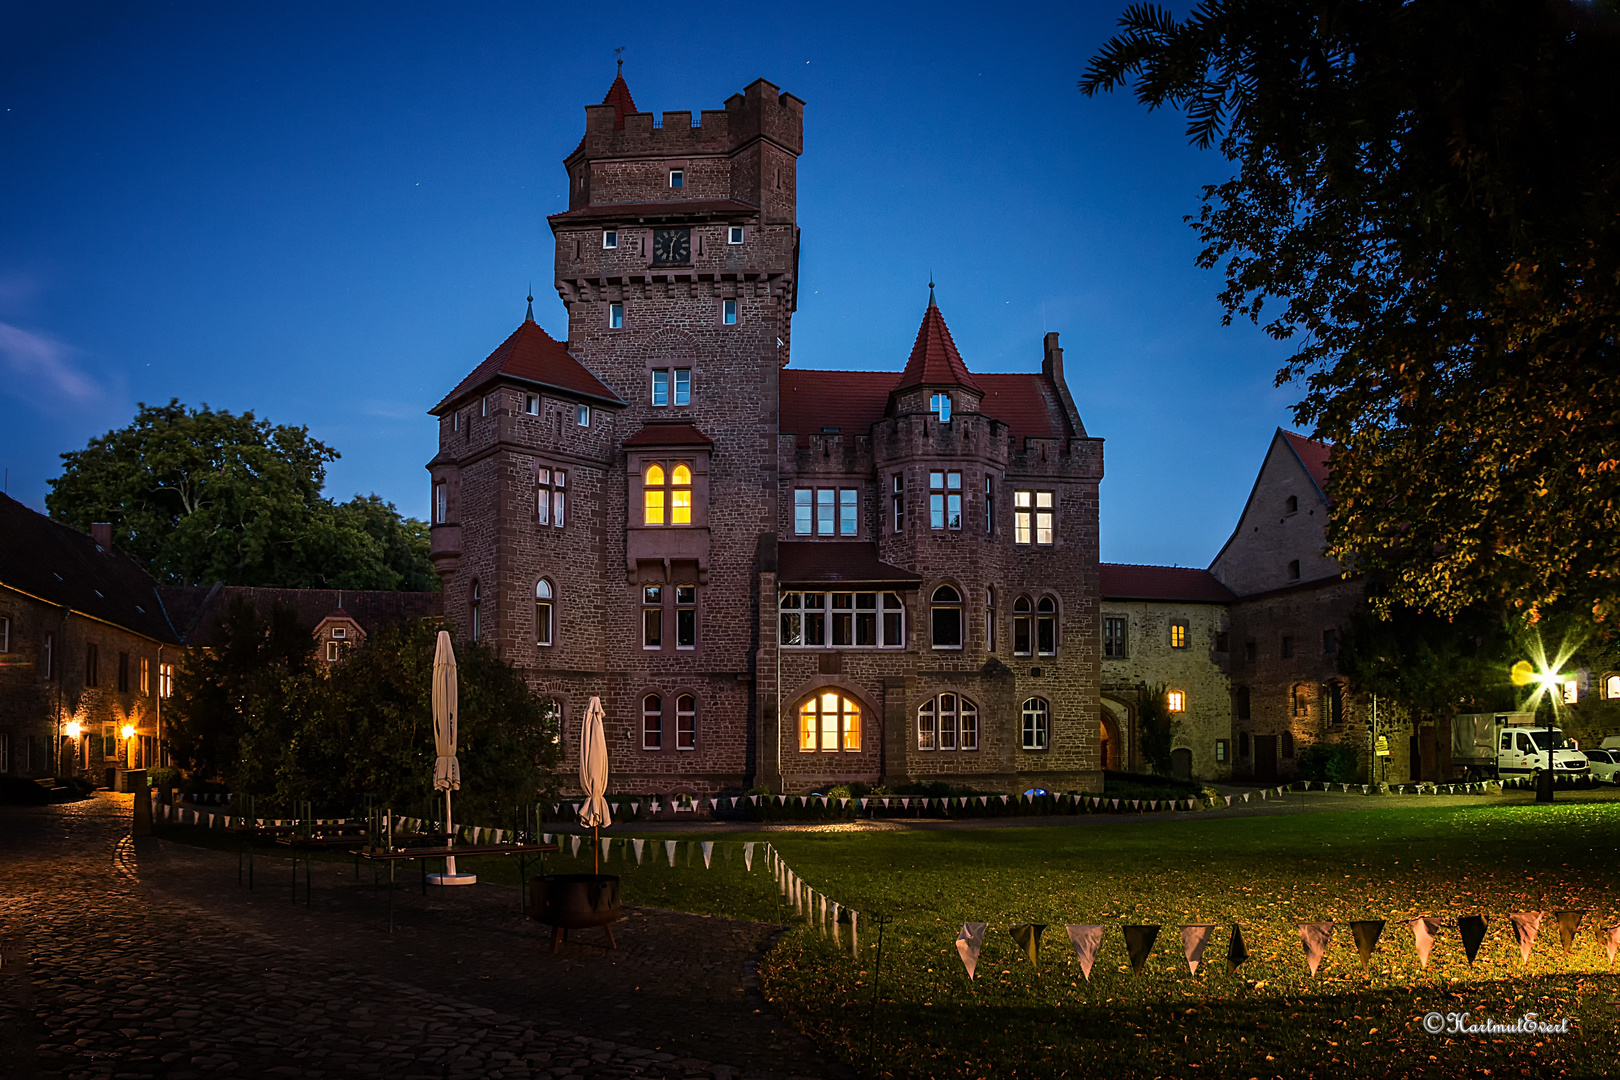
1331 762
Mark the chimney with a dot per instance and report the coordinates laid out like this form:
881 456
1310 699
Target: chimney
101 531
1052 362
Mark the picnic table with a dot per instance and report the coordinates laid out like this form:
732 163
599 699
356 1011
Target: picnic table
293 834
396 855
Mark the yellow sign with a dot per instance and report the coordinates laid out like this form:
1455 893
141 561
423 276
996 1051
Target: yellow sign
1383 746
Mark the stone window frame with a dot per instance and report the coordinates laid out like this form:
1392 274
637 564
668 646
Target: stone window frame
1175 701
1223 751
1185 626
939 404
1609 685
931 723
610 239
667 486
845 699
1334 707
1299 700
695 712
615 315
1047 623
945 500
551 496
1293 570
475 602
684 608
545 605
886 603
897 491
1036 727
649 732
1286 651
677 179
822 508
582 414
1291 505
735 234
1119 644
5 633
652 604
166 681
729 312
1023 620
1028 514
990 618
937 606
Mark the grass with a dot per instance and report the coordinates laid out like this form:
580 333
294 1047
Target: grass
1270 1018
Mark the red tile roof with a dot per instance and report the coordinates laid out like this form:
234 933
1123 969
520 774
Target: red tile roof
531 355
618 96
669 433
853 401
1314 456
1184 584
934 360
840 562
725 209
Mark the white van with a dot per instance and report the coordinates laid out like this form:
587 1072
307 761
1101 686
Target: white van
1522 751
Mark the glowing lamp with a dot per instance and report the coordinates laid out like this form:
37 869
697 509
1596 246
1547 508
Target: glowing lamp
1572 691
127 731
1523 674
74 729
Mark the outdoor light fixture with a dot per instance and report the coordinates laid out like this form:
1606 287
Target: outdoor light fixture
74 729
127 731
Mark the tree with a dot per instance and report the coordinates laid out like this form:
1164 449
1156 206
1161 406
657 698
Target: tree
204 495
1155 725
1428 191
1431 665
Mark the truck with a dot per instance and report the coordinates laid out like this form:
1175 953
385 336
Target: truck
1501 746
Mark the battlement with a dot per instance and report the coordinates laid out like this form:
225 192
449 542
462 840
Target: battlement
761 111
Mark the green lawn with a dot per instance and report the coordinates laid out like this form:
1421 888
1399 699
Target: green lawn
1269 874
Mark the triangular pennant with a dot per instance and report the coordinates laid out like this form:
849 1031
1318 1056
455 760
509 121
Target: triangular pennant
1609 938
1526 925
1568 923
734 802
1086 941
1138 943
748 856
1004 800
905 804
1472 929
842 802
607 846
1228 800
1246 795
1194 937
669 852
1366 933
1314 937
781 800
1263 796
968 944
1116 804
616 809
754 799
864 802
714 804
574 843
1424 931
1154 804
635 808
1235 951
637 844
1028 936
984 800
1133 804
708 852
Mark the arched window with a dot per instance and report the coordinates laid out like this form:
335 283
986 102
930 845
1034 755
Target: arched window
680 495
652 722
1037 717
652 494
1046 626
1240 702
1300 699
473 606
829 722
1333 703
947 722
1611 686
947 618
1023 642
686 722
1293 504
542 612
1243 744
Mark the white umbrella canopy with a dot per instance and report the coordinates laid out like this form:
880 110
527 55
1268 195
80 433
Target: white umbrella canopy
593 768
446 769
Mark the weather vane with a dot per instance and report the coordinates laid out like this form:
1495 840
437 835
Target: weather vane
618 54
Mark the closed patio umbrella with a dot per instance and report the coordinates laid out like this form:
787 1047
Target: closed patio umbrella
446 769
593 774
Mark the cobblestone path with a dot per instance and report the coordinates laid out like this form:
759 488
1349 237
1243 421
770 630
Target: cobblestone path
123 959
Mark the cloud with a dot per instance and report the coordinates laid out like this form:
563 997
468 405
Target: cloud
39 369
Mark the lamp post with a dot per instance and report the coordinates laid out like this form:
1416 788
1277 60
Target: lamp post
128 732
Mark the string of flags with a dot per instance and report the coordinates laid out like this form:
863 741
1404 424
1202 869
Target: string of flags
1087 940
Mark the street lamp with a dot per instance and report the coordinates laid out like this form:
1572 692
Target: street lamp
1549 683
128 732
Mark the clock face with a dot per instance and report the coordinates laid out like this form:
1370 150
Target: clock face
672 246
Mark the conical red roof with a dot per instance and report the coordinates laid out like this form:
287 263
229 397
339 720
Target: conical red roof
934 359
618 96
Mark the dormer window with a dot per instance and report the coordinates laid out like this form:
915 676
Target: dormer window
940 406
677 178
734 235
610 239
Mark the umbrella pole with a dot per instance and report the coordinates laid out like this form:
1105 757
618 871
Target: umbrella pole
450 836
596 849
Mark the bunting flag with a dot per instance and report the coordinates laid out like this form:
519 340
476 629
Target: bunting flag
1262 796
984 800
968 944
669 851
574 843
1246 795
607 846
637 844
1138 943
1194 937
708 851
635 808
1086 941
1526 925
1609 938
1424 931
1235 951
1154 804
1472 928
1028 937
842 802
1095 802
1116 804
1315 937
864 802
754 799
1228 800
616 809
654 807
905 804
734 802
1004 800
714 804
781 800
1568 923
1133 804
576 808
1366 933
748 857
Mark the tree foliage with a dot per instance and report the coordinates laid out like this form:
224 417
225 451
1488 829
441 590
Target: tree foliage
276 726
1426 201
204 495
1155 726
1430 665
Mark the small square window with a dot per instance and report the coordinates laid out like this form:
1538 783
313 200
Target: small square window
340 632
1221 751
677 178
683 386
531 404
734 235
615 316
582 415
1176 701
730 312
610 239
660 388
1178 633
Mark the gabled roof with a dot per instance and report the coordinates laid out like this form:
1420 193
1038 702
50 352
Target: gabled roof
934 359
711 209
669 433
1314 456
1184 584
533 356
840 562
852 401
63 566
618 96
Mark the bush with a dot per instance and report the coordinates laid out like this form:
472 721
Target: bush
1331 762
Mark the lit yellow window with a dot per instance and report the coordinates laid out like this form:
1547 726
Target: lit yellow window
1178 635
829 722
680 495
807 725
652 484
1176 701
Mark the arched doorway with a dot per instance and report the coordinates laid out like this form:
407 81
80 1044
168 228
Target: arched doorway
1181 763
1111 744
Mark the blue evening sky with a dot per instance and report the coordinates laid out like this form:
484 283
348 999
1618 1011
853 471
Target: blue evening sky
328 213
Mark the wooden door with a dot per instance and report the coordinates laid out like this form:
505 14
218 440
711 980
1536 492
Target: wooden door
1265 758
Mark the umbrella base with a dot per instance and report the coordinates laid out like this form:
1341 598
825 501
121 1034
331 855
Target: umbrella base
452 879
